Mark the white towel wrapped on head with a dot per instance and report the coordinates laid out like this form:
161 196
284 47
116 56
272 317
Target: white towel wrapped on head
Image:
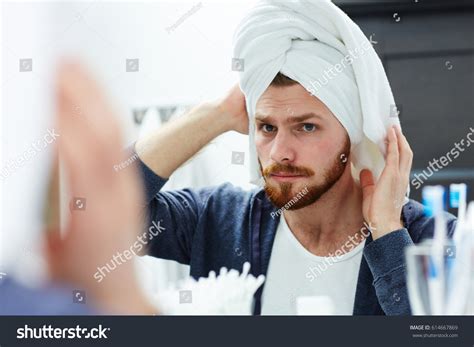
316 44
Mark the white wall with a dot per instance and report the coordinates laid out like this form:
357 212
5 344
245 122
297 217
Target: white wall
183 66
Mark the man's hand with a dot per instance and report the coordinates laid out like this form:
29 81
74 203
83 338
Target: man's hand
383 200
108 222
233 107
170 146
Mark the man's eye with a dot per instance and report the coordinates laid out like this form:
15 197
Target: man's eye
267 128
308 127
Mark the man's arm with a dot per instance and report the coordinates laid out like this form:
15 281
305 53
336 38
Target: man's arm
386 259
172 145
176 213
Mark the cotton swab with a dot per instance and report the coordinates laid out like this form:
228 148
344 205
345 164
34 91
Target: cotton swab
229 293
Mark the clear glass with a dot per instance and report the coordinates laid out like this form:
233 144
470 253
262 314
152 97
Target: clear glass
439 278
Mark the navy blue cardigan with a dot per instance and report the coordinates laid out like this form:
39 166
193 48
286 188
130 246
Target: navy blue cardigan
227 226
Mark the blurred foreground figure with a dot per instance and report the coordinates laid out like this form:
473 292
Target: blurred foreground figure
87 142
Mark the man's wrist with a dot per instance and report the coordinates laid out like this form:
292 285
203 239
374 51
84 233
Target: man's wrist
382 229
216 116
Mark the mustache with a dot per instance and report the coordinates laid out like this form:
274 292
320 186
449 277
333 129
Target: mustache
290 169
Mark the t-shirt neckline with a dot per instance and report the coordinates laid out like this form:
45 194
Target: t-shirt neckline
335 259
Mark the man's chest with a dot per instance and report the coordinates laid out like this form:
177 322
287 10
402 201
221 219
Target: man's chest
295 272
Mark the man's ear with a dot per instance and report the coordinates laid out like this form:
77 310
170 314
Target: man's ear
367 182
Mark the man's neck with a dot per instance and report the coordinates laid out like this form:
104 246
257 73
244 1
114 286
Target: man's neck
326 225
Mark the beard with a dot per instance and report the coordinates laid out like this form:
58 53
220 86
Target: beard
282 192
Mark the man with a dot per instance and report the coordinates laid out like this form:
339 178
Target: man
226 226
316 228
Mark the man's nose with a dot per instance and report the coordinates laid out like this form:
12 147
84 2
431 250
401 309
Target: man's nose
282 148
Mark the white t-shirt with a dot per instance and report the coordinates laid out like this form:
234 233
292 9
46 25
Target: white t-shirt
294 271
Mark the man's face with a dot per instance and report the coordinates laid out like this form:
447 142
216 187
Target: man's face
300 144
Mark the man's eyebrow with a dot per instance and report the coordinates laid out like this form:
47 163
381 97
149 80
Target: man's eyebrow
292 119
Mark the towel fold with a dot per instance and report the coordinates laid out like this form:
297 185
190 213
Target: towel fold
316 44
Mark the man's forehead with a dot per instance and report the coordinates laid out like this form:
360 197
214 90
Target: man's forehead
292 103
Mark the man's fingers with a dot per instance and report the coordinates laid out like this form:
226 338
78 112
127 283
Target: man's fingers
393 158
77 144
406 154
89 153
89 105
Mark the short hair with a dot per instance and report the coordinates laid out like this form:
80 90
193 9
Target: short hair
281 80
